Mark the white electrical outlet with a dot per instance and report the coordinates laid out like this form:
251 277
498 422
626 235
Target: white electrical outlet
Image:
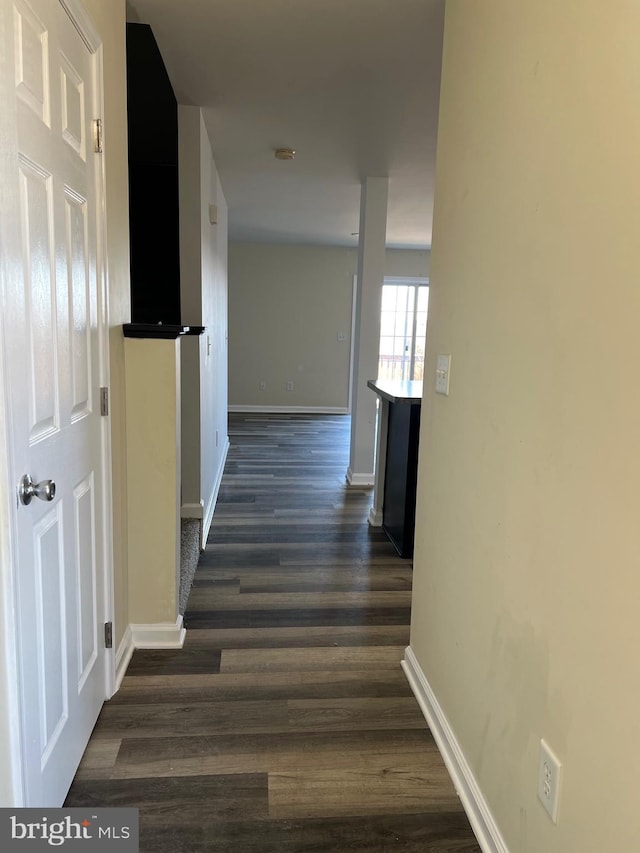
549 770
262 385
289 385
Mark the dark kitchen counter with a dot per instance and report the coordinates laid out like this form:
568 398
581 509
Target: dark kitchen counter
166 331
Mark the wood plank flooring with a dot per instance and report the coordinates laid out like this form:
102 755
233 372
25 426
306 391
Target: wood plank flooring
286 722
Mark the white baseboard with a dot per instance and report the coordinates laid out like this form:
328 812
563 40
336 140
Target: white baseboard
375 517
208 515
290 410
195 511
161 635
123 656
471 797
360 479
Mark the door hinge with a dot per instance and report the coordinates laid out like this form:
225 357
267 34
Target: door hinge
97 135
104 402
108 635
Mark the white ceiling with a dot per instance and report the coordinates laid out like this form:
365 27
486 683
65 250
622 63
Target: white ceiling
352 85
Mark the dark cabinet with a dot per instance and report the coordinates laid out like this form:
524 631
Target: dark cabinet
399 506
394 499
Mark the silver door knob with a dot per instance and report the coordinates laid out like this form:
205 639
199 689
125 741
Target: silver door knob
46 490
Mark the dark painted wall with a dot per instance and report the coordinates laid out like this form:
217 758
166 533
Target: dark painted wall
152 114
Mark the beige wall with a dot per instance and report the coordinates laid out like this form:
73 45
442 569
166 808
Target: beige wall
153 478
286 307
190 302
406 262
109 18
214 343
203 270
526 574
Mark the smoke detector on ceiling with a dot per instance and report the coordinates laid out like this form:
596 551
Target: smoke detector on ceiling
285 153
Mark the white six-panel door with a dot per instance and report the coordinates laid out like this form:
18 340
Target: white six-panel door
52 371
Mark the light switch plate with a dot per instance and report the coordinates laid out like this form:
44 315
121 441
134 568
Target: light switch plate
443 369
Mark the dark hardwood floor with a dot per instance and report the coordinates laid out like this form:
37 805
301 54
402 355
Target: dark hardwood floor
286 722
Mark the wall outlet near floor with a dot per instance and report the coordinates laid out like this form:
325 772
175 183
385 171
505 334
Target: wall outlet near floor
549 771
289 385
262 385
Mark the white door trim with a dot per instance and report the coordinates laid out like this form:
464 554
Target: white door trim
12 791
92 39
11 774
11 737
84 25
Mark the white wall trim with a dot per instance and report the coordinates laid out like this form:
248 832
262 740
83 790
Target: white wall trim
352 347
159 635
93 41
375 517
208 516
354 479
471 796
123 656
192 510
291 410
163 635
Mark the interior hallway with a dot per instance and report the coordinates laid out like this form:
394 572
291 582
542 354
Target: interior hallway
286 722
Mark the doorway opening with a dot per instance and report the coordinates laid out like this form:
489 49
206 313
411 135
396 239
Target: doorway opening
403 328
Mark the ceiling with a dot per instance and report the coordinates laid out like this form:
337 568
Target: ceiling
352 85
